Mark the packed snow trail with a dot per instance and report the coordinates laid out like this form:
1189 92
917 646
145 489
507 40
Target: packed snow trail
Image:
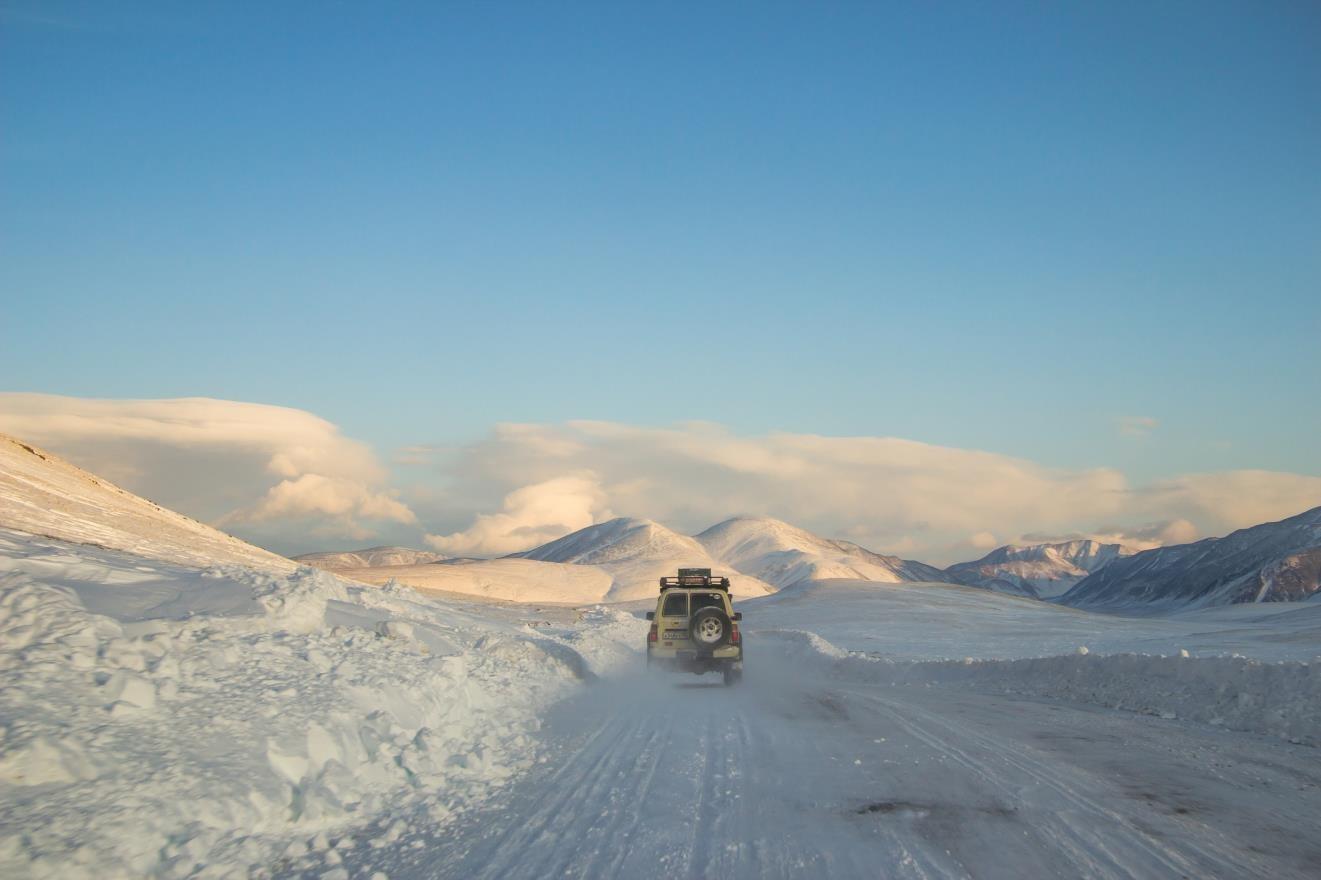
799 774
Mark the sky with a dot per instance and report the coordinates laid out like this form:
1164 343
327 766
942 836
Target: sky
1086 240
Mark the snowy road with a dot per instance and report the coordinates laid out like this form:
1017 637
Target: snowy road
797 774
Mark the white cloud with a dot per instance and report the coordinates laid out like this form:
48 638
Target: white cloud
530 516
314 494
270 472
1231 500
934 503
1139 537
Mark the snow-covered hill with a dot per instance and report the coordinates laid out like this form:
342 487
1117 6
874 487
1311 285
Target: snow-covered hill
1272 562
372 557
42 494
785 555
1042 571
637 553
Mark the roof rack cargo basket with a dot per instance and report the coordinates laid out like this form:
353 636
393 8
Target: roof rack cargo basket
695 577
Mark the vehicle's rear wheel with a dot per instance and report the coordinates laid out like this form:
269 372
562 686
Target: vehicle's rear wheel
733 674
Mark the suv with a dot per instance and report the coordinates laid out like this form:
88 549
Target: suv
694 627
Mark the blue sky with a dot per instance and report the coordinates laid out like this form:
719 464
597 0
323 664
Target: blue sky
992 226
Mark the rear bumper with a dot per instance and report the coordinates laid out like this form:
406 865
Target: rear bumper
690 661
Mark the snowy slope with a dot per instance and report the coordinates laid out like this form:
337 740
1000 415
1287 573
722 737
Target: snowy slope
785 555
512 580
1272 562
1037 570
637 553
372 557
45 495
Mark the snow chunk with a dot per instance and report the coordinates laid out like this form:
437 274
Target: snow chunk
134 690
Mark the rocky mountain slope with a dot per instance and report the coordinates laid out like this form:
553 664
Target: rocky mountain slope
1272 562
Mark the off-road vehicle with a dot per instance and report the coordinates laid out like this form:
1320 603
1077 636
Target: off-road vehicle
695 627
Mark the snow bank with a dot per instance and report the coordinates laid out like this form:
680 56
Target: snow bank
260 730
1281 699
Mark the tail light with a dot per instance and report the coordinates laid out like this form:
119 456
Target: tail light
733 634
651 634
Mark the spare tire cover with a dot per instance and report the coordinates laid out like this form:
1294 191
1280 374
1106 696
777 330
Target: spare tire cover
709 628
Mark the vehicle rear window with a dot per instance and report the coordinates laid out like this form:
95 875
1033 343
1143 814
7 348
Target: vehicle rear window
676 605
707 600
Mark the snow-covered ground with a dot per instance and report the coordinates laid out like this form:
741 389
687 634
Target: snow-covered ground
814 768
157 720
163 720
948 622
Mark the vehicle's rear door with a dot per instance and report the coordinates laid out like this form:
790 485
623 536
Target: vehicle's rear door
673 623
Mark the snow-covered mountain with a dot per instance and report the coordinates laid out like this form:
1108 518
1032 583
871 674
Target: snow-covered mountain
784 555
637 553
1272 562
1041 571
42 494
372 557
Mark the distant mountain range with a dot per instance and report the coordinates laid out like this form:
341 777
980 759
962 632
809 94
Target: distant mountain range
1040 571
784 555
622 559
637 553
1272 562
372 557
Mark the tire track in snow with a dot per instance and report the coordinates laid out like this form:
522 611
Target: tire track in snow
549 809
1133 853
1067 834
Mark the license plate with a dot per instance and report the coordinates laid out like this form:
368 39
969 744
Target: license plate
676 634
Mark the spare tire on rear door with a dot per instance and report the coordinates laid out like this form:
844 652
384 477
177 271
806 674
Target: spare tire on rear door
709 628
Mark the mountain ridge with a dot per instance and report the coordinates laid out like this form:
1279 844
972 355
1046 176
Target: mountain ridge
1270 562
785 554
369 557
1040 571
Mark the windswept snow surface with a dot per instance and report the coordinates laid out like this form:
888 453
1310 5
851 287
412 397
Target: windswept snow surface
786 555
820 767
158 720
42 494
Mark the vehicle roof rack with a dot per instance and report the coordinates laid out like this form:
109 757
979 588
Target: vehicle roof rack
695 577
